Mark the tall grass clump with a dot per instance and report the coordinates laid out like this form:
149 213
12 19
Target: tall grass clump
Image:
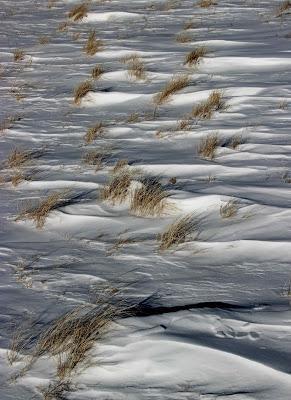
79 11
208 146
195 56
176 84
39 212
214 103
149 199
81 90
178 232
94 132
118 188
93 45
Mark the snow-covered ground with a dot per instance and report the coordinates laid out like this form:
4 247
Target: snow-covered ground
215 318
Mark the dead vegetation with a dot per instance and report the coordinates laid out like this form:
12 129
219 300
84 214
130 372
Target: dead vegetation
8 122
214 103
185 123
228 209
176 84
81 90
283 8
208 146
17 158
55 390
78 12
189 25
150 199
136 68
18 55
96 72
133 118
235 142
96 131
206 3
63 26
96 158
120 165
39 213
118 188
51 3
178 232
184 37
69 339
195 56
93 45
43 40
119 244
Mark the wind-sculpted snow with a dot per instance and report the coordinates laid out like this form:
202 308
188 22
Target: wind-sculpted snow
207 318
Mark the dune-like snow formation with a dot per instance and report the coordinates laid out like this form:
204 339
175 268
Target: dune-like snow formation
210 317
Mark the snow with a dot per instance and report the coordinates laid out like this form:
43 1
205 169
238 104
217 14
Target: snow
218 322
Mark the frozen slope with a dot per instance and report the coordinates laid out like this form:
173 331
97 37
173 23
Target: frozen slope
213 319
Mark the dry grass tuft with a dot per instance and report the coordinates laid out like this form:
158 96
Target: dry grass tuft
184 124
8 122
184 37
235 142
133 118
70 338
118 188
136 68
51 3
93 45
206 3
63 26
97 71
17 178
119 244
213 103
39 213
17 158
189 25
208 146
78 12
43 40
149 199
195 56
228 209
178 232
18 55
176 84
55 390
283 8
120 165
95 158
94 132
81 90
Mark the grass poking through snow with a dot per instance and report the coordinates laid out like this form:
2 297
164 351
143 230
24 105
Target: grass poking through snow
214 103
195 56
208 146
94 132
78 12
176 84
178 232
228 209
97 71
118 188
150 199
93 45
39 213
81 90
